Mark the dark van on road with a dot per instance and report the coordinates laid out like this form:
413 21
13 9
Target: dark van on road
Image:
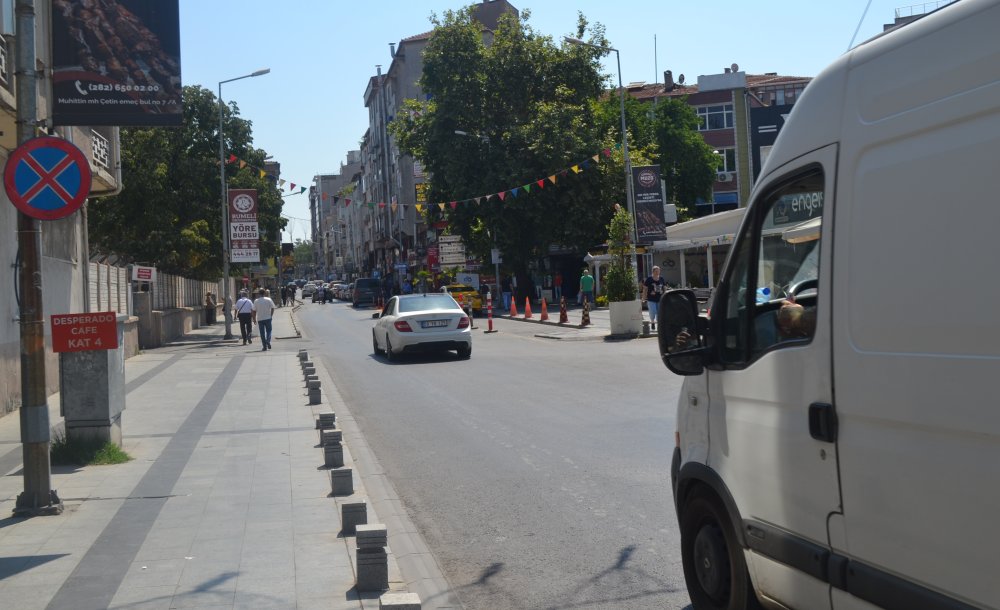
365 291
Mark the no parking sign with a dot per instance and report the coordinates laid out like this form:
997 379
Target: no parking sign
47 178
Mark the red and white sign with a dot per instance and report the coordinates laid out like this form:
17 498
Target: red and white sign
143 274
78 332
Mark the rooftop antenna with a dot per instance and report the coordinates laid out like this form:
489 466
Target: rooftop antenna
860 21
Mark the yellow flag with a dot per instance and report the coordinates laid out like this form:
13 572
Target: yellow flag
420 208
552 178
243 164
576 169
262 173
441 205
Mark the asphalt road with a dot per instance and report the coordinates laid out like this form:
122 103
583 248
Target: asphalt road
538 471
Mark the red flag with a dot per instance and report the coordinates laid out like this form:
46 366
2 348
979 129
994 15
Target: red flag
231 159
502 195
541 183
453 204
607 152
292 187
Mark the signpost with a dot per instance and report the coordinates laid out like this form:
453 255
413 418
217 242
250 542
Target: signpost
47 178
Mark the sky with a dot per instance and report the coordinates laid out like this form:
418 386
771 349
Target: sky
309 110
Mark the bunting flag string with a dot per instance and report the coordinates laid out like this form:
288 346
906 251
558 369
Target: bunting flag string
553 178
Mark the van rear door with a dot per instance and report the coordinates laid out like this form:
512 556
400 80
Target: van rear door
772 425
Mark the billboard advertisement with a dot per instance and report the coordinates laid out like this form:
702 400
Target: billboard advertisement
116 62
244 232
649 224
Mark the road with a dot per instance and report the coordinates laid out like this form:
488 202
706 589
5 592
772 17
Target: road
538 471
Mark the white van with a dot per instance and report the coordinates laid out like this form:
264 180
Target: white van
838 436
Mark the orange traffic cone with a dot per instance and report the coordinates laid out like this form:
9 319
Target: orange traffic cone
513 307
563 316
527 308
586 313
545 312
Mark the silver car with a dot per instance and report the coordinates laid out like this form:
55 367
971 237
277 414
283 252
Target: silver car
419 323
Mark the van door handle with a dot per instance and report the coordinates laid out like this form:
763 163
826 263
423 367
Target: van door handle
822 422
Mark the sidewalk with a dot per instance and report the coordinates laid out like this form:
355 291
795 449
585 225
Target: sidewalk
225 504
599 328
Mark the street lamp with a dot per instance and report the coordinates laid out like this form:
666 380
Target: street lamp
629 197
227 306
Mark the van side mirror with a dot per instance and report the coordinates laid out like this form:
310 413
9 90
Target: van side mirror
679 337
376 315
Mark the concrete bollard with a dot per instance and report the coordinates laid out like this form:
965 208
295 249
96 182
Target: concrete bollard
333 455
306 363
309 370
313 384
315 396
326 420
353 514
399 601
372 559
342 481
303 355
330 436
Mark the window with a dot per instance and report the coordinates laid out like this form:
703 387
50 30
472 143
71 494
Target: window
728 156
715 117
769 297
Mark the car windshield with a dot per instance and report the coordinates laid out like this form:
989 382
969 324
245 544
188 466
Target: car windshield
427 302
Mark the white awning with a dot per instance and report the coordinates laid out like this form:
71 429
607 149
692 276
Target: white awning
803 232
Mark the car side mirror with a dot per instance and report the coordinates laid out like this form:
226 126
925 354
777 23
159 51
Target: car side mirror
679 337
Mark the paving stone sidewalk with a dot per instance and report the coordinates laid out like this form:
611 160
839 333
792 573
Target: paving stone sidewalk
225 504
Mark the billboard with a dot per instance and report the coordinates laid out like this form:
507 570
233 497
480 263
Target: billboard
244 232
116 62
649 224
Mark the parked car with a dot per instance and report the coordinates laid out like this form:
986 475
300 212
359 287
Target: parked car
421 322
365 291
468 294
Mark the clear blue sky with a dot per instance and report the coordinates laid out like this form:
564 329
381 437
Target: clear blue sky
308 112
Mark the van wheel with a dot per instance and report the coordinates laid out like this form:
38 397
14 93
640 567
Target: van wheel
378 350
714 567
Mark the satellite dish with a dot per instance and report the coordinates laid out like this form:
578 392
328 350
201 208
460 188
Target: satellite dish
680 79
735 67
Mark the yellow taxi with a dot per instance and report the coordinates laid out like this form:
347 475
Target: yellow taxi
468 294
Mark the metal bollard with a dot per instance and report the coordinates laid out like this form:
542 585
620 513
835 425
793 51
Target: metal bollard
342 482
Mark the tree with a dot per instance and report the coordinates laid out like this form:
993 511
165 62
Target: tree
528 107
303 256
620 279
687 164
169 211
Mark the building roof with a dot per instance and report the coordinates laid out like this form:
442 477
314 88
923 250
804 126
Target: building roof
754 82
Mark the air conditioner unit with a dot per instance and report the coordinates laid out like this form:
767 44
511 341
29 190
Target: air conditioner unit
725 176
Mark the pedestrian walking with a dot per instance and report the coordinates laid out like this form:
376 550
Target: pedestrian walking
263 310
209 308
557 286
505 288
284 296
244 312
652 289
587 287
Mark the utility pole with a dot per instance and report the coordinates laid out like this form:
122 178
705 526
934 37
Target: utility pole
38 497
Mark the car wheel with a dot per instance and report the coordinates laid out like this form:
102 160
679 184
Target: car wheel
378 350
714 566
465 351
388 350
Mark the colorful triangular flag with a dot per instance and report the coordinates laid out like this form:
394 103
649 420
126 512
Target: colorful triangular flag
441 205
502 195
420 208
541 183
576 169
552 178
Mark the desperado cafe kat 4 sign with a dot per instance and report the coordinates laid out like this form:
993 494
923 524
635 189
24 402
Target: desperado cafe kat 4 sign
244 232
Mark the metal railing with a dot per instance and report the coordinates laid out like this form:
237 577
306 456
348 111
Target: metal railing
101 148
920 9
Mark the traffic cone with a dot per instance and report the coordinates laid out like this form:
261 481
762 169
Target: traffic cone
527 308
513 307
563 316
545 312
586 313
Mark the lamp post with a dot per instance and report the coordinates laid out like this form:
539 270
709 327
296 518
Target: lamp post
227 306
629 196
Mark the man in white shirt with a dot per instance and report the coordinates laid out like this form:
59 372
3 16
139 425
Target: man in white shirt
263 309
244 311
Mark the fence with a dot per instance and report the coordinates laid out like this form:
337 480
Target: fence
109 288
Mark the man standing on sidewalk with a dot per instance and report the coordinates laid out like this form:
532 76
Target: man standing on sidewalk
587 287
244 312
263 309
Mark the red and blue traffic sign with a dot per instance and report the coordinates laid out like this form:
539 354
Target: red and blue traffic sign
47 178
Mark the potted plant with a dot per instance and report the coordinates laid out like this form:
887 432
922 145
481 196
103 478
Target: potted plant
620 282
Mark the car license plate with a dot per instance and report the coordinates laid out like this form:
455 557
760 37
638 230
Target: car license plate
433 323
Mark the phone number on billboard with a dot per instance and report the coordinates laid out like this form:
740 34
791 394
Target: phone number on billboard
123 88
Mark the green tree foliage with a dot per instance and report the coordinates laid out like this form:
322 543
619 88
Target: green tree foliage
169 212
303 256
528 107
687 164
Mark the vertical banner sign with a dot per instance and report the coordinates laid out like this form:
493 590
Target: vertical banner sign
116 62
244 232
649 224
421 192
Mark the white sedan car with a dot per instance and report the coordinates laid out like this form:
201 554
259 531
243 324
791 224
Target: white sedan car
421 322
